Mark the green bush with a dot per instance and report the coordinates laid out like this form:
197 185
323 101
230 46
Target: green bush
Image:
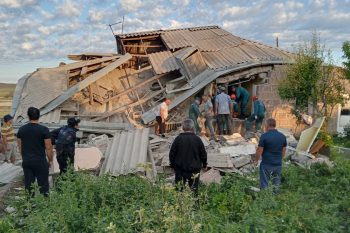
315 200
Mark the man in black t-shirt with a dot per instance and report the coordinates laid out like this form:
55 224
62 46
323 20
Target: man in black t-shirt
34 142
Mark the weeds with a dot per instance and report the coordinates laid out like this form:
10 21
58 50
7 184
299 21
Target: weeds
315 200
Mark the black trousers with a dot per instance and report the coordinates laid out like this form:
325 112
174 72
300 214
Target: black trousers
161 125
187 177
64 159
36 170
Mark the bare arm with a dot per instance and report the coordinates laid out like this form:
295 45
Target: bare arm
48 148
4 141
284 152
258 154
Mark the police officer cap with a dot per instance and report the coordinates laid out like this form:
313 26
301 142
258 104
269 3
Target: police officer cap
7 118
73 122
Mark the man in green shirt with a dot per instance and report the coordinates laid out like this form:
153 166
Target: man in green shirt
194 113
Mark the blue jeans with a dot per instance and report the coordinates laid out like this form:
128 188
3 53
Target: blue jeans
268 172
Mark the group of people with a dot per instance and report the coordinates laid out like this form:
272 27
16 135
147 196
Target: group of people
188 156
220 108
35 143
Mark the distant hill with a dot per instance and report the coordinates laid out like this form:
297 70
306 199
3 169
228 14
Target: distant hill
6 95
6 90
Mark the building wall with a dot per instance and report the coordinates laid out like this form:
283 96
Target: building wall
275 107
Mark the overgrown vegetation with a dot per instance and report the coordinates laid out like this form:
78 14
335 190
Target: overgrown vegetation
315 200
313 81
346 63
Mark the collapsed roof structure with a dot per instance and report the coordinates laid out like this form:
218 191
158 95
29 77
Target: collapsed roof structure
115 91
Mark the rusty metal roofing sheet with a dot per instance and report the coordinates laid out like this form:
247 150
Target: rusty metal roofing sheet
127 152
9 172
163 62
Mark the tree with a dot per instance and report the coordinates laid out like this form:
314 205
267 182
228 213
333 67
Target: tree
346 56
313 81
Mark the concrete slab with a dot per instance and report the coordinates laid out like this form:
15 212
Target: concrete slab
85 159
211 176
235 151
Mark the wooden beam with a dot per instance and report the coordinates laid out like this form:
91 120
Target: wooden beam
137 86
143 46
85 83
81 64
141 37
124 107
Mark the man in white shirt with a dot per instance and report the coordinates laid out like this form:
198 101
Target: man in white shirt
161 116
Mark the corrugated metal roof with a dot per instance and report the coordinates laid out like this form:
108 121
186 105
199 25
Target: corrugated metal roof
158 32
220 48
9 172
41 88
163 62
126 152
52 117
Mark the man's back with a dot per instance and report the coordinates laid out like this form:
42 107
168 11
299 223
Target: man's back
188 153
223 100
273 142
33 141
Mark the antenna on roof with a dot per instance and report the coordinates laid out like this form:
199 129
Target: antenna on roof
120 22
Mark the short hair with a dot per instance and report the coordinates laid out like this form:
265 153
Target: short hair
271 122
33 113
188 125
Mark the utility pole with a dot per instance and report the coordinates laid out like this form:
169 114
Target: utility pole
277 42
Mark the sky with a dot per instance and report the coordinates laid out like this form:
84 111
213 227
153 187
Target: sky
36 34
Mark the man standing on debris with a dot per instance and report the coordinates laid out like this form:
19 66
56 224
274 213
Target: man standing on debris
258 114
187 157
194 113
242 97
34 142
223 110
272 148
8 139
209 116
161 116
64 139
235 106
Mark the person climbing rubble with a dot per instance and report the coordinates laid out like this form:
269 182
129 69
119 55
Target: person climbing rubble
194 113
242 97
223 110
235 110
209 116
162 112
258 114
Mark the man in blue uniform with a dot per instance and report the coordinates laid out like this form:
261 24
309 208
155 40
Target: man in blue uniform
65 139
258 114
272 148
242 97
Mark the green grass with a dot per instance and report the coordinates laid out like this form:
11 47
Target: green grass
342 141
315 200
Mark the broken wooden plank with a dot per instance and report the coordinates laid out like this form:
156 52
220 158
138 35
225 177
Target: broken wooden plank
137 86
85 83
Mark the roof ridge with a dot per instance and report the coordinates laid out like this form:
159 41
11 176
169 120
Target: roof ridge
160 31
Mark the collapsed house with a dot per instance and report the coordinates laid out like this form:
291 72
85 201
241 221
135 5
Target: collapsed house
115 93
124 88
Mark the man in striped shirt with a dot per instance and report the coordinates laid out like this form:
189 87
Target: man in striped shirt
8 139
